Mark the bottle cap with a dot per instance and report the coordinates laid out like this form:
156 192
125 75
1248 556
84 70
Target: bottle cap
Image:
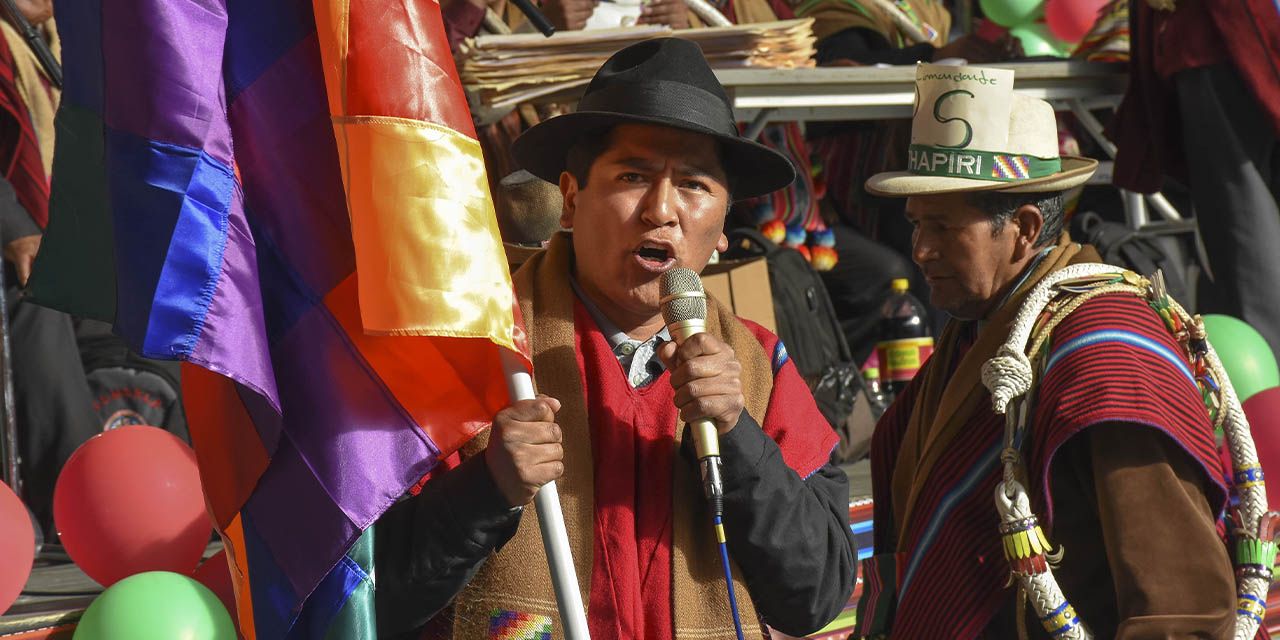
900 285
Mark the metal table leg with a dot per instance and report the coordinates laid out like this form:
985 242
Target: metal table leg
9 441
757 124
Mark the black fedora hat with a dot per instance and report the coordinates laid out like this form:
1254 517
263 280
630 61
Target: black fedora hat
667 82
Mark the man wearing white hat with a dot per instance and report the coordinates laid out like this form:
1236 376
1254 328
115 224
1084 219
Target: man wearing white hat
1116 450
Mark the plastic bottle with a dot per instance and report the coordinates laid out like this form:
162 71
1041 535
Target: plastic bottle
905 341
880 400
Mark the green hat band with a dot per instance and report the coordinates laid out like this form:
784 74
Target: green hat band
978 165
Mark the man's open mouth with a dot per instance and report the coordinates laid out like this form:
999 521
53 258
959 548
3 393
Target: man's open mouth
653 255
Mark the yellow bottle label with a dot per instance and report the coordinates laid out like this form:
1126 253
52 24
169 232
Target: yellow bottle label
901 359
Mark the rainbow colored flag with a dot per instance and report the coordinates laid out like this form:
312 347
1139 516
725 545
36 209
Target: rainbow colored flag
291 198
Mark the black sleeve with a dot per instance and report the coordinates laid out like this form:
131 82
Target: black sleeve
428 547
865 46
789 535
15 222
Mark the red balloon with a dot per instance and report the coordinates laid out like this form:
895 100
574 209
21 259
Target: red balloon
17 546
988 30
1070 20
129 500
1263 411
215 573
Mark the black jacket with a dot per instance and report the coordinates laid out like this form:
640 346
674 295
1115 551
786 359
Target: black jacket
789 535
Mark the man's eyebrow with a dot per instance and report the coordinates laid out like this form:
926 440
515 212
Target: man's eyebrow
636 162
689 169
928 215
698 171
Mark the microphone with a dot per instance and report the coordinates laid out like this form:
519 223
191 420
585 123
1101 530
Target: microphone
684 309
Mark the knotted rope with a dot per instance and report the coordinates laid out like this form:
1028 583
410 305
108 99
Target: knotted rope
1009 376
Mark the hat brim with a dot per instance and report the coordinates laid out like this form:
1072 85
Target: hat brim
751 168
898 184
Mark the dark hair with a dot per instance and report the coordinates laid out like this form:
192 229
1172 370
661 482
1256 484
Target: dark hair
1001 206
592 144
584 152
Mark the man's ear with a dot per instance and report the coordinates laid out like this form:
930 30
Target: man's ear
569 193
1028 221
722 245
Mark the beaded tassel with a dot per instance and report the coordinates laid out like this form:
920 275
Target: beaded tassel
1025 546
1255 557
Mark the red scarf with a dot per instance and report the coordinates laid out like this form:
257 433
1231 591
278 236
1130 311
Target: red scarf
19 150
633 445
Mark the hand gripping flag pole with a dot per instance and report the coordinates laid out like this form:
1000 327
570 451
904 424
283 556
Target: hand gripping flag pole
555 538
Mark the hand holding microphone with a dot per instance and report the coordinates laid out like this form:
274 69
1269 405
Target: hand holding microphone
708 382
704 372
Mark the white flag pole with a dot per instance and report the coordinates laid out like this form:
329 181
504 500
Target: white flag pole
555 539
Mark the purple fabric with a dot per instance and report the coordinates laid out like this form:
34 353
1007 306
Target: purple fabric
301 528
233 340
181 100
353 434
289 163
259 34
266 418
347 453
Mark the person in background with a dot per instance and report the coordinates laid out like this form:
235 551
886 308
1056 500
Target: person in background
1203 107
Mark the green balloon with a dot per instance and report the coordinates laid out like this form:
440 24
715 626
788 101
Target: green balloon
1038 40
1011 13
156 605
1244 353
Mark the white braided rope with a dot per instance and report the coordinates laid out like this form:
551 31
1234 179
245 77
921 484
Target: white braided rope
1253 499
1009 375
1041 588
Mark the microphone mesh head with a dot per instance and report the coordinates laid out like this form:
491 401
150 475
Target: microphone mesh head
681 280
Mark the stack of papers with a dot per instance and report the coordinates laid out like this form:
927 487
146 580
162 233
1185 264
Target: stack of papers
503 71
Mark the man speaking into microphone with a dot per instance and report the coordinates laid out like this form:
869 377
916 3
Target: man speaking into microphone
648 166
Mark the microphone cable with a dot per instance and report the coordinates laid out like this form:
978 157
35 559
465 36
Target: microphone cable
715 498
728 575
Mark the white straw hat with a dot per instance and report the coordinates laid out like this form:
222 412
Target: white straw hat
971 132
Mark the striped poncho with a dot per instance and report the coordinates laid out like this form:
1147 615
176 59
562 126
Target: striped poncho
1110 361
